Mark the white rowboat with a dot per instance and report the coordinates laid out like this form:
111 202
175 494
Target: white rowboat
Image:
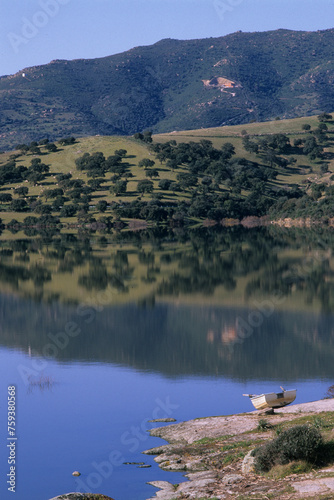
272 399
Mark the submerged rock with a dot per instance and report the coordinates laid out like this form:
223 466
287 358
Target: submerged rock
81 496
163 420
133 463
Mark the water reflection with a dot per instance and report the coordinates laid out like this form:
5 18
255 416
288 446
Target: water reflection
175 340
233 302
109 323
220 265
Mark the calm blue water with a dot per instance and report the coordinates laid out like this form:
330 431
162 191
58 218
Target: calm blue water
95 416
172 351
113 368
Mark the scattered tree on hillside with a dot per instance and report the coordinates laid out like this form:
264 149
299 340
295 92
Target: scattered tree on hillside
322 126
53 193
38 166
18 205
102 206
187 180
22 191
51 147
34 149
152 173
68 211
228 150
10 173
324 117
139 136
58 203
146 163
147 136
43 209
95 184
24 148
312 148
119 187
250 146
43 142
145 186
165 184
5 197
121 152
66 141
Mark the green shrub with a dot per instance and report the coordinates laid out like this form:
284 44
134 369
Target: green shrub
296 467
264 425
265 457
298 443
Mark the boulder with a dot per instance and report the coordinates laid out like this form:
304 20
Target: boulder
232 478
248 463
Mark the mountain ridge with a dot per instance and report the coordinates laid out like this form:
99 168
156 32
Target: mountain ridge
281 73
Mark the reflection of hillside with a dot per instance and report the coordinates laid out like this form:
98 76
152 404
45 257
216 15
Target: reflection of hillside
174 340
220 265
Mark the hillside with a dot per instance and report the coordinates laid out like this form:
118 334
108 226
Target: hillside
281 168
172 85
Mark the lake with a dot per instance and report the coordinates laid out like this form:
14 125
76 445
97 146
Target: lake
103 332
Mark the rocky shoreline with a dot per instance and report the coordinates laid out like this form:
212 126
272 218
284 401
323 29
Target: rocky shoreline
214 454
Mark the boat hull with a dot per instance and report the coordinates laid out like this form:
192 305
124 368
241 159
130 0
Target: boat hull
273 399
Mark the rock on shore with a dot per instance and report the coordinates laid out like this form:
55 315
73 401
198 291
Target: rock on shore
212 452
